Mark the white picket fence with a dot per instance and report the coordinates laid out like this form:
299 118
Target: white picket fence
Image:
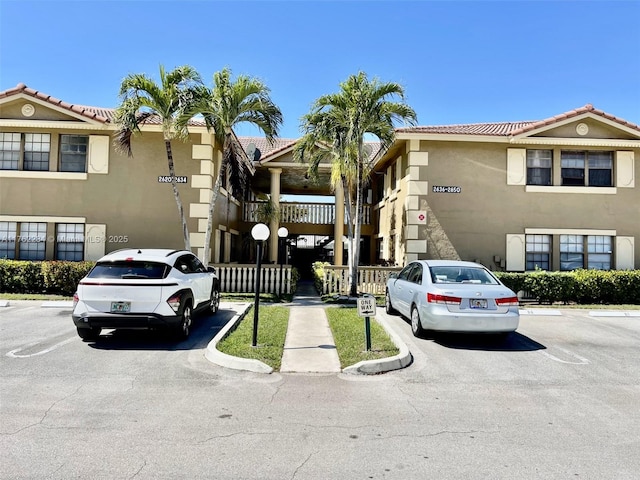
239 278
370 279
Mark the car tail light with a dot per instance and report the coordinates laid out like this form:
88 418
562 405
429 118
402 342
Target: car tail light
174 302
507 302
76 299
445 299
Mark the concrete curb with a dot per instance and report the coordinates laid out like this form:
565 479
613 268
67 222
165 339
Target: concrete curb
228 361
382 365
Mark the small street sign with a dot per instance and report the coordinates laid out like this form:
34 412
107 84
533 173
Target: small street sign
367 306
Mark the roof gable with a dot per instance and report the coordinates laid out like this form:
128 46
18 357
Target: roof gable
600 125
53 109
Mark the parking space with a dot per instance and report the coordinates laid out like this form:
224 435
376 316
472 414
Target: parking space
557 400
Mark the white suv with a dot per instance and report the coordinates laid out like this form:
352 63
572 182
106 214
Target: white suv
144 289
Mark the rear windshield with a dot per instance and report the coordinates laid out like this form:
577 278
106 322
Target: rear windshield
446 274
131 269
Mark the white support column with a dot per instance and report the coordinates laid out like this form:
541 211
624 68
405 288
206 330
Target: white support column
338 228
275 222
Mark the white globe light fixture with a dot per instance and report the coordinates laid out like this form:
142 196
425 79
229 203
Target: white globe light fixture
283 233
259 232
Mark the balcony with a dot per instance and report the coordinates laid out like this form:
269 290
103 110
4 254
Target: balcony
303 213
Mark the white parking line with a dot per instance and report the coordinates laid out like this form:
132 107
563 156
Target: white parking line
540 311
582 360
58 304
13 353
613 313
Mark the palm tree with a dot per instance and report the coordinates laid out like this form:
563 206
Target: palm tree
226 105
336 129
142 100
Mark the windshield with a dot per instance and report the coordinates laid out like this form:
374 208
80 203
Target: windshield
453 274
129 269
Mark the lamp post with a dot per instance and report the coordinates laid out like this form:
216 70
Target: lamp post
282 237
259 232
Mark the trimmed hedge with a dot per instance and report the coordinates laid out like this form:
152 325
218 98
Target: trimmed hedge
53 277
580 286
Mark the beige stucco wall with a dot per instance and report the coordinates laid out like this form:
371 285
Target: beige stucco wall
137 210
478 219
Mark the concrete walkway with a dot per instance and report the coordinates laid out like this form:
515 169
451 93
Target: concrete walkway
309 345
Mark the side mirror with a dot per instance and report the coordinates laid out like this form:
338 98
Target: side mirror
211 269
393 275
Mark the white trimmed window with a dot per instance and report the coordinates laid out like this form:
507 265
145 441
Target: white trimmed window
539 167
599 251
10 147
32 239
598 248
37 147
25 151
70 241
538 252
571 252
73 153
593 169
8 235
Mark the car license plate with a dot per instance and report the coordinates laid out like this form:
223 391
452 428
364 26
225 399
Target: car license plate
478 303
120 307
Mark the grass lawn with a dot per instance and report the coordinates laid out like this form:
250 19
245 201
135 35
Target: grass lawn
272 330
349 335
32 296
346 325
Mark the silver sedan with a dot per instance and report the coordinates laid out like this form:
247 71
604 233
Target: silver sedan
452 296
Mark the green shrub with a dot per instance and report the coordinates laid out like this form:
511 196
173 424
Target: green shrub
56 277
63 277
17 276
514 281
318 274
580 286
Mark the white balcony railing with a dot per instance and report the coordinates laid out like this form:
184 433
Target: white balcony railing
294 212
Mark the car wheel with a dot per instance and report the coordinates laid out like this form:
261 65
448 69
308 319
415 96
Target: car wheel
185 323
416 326
387 304
214 302
89 334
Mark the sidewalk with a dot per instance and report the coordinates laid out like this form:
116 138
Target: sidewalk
309 345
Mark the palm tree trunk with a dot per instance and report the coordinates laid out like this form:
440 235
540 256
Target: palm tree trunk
176 194
353 275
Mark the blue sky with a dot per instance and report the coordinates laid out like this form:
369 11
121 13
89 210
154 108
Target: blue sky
459 61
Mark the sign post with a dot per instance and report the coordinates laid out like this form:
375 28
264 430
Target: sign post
366 309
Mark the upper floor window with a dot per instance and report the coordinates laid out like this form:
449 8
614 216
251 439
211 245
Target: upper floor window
25 151
73 153
539 167
593 169
10 148
393 177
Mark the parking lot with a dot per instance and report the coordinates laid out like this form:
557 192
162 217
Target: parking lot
559 399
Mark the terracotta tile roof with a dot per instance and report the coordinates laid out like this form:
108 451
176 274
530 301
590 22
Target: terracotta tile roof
513 128
266 149
588 108
496 129
100 114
